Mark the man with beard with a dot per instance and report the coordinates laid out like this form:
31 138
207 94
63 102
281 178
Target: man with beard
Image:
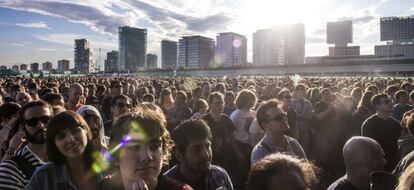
192 140
75 96
16 172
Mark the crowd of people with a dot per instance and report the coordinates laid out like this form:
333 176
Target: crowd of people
253 133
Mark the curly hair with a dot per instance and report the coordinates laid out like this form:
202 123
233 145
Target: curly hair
263 170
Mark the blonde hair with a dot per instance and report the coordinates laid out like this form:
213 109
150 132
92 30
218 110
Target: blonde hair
406 180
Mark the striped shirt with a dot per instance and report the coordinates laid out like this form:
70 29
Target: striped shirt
11 174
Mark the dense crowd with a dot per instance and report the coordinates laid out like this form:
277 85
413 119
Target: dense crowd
253 133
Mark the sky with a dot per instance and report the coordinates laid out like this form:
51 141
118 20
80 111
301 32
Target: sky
44 30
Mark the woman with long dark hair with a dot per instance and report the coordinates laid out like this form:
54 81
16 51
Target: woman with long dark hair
70 149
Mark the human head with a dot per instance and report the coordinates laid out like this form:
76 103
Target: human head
271 118
284 172
363 154
284 96
75 93
116 88
120 105
192 140
54 99
216 102
141 144
201 106
94 120
34 116
229 98
23 97
68 136
8 111
246 99
93 101
180 98
382 103
300 91
401 97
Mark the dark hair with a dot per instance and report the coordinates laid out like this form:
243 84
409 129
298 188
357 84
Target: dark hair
115 98
215 95
400 93
261 111
300 87
8 109
31 104
377 99
148 98
114 83
60 122
90 99
263 170
365 101
391 89
147 120
198 104
244 98
190 130
51 97
280 94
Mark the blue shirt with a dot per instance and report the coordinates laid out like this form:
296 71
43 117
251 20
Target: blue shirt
266 147
216 178
52 177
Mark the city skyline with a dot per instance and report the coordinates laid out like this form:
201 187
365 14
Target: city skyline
40 31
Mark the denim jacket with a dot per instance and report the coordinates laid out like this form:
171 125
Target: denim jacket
52 177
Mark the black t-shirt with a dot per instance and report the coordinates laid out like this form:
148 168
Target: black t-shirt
342 184
222 128
386 132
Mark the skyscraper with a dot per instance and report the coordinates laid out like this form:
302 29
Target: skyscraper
47 66
132 48
111 62
63 65
268 48
34 67
23 67
398 33
169 54
231 49
340 34
83 57
152 61
195 52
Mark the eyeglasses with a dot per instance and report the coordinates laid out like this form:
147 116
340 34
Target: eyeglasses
32 122
279 117
122 105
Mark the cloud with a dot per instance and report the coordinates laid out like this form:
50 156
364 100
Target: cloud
314 40
17 44
46 49
359 19
94 15
166 18
69 40
34 25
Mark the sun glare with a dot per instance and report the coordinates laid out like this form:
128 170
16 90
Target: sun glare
266 13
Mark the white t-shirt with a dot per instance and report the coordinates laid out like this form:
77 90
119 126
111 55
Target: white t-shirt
242 120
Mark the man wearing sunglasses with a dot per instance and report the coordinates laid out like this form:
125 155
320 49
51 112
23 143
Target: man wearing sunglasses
274 123
384 129
16 171
120 105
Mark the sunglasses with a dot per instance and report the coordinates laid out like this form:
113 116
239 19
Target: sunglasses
122 105
279 117
32 122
